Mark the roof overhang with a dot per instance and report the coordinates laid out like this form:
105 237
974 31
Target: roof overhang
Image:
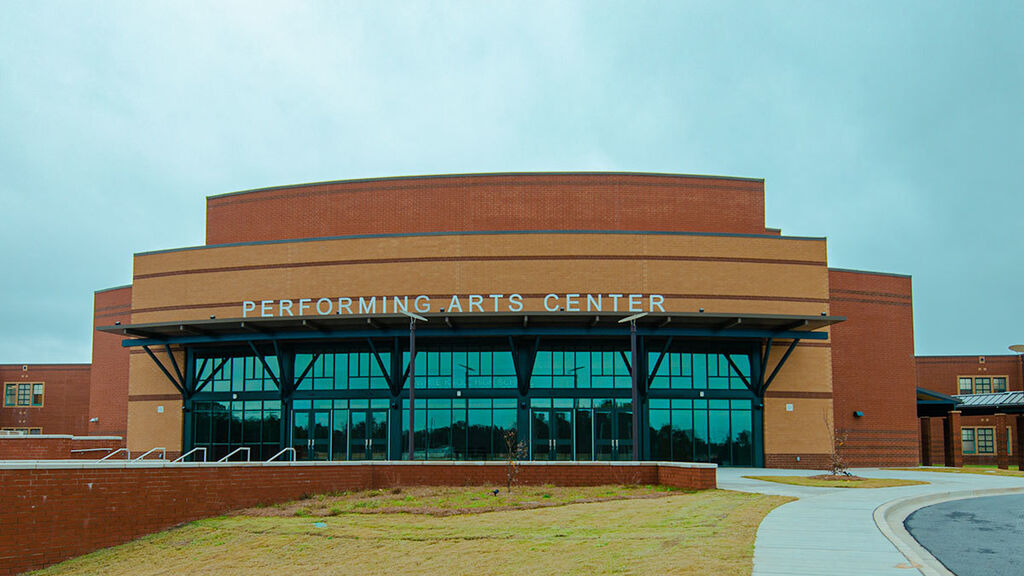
499 324
1007 402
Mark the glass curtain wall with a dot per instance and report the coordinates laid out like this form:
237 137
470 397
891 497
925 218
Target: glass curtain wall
578 407
685 420
465 404
239 406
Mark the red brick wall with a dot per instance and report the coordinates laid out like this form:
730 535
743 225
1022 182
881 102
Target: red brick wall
940 373
806 462
109 381
938 445
58 447
489 203
873 368
35 448
49 515
65 398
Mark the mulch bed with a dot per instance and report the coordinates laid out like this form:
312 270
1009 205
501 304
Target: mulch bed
836 477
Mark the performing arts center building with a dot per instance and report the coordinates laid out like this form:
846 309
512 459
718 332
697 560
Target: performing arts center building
602 316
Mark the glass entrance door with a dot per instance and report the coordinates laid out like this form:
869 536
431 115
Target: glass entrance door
613 430
368 435
551 434
311 434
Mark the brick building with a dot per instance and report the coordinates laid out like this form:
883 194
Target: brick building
290 327
45 398
971 409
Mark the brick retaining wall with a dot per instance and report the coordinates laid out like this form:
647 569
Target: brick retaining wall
57 447
52 511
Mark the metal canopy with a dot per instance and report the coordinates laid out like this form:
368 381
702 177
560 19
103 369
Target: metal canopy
994 402
499 324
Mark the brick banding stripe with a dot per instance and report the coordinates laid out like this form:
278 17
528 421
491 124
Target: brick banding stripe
115 307
153 397
870 293
124 312
785 394
558 258
445 183
862 301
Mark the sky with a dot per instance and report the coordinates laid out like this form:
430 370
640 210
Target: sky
896 130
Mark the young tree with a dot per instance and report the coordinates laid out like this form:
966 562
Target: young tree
838 466
515 450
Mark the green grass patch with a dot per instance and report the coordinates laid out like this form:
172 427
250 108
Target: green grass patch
709 532
969 469
841 483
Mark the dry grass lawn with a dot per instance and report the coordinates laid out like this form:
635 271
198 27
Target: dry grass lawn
452 501
838 483
709 532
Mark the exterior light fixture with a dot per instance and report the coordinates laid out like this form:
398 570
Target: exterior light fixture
858 413
413 315
701 310
212 316
635 317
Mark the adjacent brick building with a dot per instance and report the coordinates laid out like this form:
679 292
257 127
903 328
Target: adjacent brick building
45 398
986 392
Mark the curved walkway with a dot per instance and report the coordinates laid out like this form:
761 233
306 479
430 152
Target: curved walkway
832 531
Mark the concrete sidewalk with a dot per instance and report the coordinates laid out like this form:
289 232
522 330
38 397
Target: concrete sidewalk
832 531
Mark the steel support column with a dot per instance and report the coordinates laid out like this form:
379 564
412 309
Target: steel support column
635 373
395 401
412 388
287 385
186 402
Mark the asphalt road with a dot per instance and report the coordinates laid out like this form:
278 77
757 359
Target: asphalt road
974 537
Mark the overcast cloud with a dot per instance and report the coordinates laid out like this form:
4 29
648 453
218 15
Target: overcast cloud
897 131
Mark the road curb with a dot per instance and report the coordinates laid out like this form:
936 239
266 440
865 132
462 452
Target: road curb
889 518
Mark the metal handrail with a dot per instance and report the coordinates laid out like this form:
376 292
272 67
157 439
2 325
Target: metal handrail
189 453
288 449
232 453
128 454
163 454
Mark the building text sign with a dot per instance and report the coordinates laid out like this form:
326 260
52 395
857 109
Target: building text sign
472 303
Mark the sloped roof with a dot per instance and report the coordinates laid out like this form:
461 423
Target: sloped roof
1013 399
